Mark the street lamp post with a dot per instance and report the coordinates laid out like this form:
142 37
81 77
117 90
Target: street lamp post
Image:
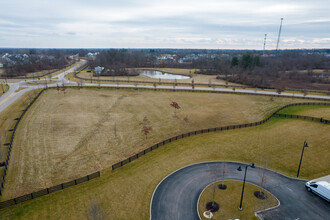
302 153
240 169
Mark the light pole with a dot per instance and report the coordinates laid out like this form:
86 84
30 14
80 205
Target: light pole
240 169
302 153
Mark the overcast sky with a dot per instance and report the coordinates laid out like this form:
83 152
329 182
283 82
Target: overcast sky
218 24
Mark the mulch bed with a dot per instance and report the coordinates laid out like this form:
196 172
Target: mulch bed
222 186
260 195
212 206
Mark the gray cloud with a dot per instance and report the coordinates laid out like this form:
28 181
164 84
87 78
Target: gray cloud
156 23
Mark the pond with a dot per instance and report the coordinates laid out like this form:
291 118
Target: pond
161 75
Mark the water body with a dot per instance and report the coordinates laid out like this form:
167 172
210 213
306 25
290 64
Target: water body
161 75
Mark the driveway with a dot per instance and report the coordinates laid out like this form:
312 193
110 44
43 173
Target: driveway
177 195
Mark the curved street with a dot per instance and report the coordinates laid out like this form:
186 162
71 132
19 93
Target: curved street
177 195
11 95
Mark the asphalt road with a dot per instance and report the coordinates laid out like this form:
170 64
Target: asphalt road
177 195
11 95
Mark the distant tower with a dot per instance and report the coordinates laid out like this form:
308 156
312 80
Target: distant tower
279 35
264 45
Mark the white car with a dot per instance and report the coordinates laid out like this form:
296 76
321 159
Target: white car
321 188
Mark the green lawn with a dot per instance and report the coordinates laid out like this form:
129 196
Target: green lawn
229 200
126 192
322 111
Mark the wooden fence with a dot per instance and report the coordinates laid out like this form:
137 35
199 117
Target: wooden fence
130 159
178 83
325 121
224 128
46 191
2 182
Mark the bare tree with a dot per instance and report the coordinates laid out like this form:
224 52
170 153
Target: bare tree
115 129
305 92
94 211
49 77
223 173
146 128
63 89
213 206
262 181
176 106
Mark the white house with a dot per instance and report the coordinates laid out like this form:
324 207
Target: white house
98 70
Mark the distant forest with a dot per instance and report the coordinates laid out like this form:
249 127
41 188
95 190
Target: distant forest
300 69
19 62
274 69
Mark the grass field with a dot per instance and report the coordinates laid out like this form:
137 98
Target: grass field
41 82
7 122
198 78
63 137
320 111
4 88
229 199
126 192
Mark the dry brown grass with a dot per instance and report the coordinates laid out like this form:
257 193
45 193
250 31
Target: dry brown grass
198 78
3 88
126 192
7 122
229 201
63 137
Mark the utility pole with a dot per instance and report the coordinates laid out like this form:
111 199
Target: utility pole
264 44
279 35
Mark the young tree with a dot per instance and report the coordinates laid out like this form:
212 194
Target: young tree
57 87
262 181
223 173
115 129
213 206
63 88
146 128
155 85
279 91
305 92
176 106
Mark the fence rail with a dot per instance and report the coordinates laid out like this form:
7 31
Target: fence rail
325 121
224 128
12 139
179 83
133 157
49 190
